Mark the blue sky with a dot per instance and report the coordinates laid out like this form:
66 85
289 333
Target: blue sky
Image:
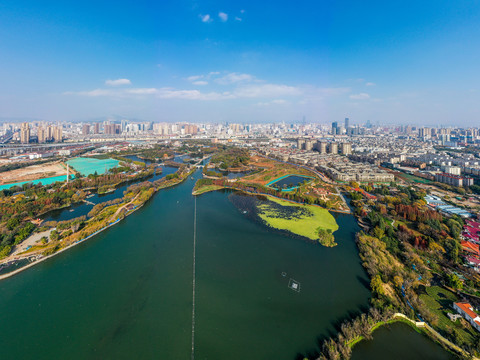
399 62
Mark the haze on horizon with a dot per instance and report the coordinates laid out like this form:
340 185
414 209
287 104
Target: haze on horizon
249 61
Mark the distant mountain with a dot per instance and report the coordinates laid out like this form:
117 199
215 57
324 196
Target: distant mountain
115 118
19 119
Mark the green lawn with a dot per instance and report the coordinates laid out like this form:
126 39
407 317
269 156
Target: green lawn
206 188
439 301
303 220
415 178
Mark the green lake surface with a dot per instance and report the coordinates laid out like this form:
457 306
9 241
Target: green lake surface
127 293
44 181
87 166
399 342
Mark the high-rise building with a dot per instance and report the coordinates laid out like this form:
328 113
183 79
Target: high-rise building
236 127
333 148
109 129
300 144
346 148
309 144
49 132
58 134
124 124
96 128
25 133
425 132
323 147
334 128
193 129
85 129
347 120
42 134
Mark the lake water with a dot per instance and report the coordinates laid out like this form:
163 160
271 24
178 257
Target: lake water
288 182
87 166
82 208
44 181
127 293
400 342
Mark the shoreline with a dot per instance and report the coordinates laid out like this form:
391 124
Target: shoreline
7 275
195 193
421 327
17 271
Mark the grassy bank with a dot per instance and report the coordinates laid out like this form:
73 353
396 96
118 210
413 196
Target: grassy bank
303 220
206 188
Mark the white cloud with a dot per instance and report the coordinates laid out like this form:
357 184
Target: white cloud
197 79
239 86
266 91
242 11
168 93
273 102
141 91
194 77
114 92
234 78
118 82
206 18
361 96
96 92
238 18
223 16
370 84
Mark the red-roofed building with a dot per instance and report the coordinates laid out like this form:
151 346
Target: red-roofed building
469 236
466 310
474 224
473 261
471 230
470 248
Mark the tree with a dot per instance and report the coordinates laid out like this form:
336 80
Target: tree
54 235
378 232
454 281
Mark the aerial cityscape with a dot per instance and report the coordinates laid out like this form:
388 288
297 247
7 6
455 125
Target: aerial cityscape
191 179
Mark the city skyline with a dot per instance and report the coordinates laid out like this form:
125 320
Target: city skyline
245 63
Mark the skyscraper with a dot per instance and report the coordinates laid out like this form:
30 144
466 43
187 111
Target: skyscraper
58 133
25 133
42 134
49 132
347 120
346 148
334 128
86 129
